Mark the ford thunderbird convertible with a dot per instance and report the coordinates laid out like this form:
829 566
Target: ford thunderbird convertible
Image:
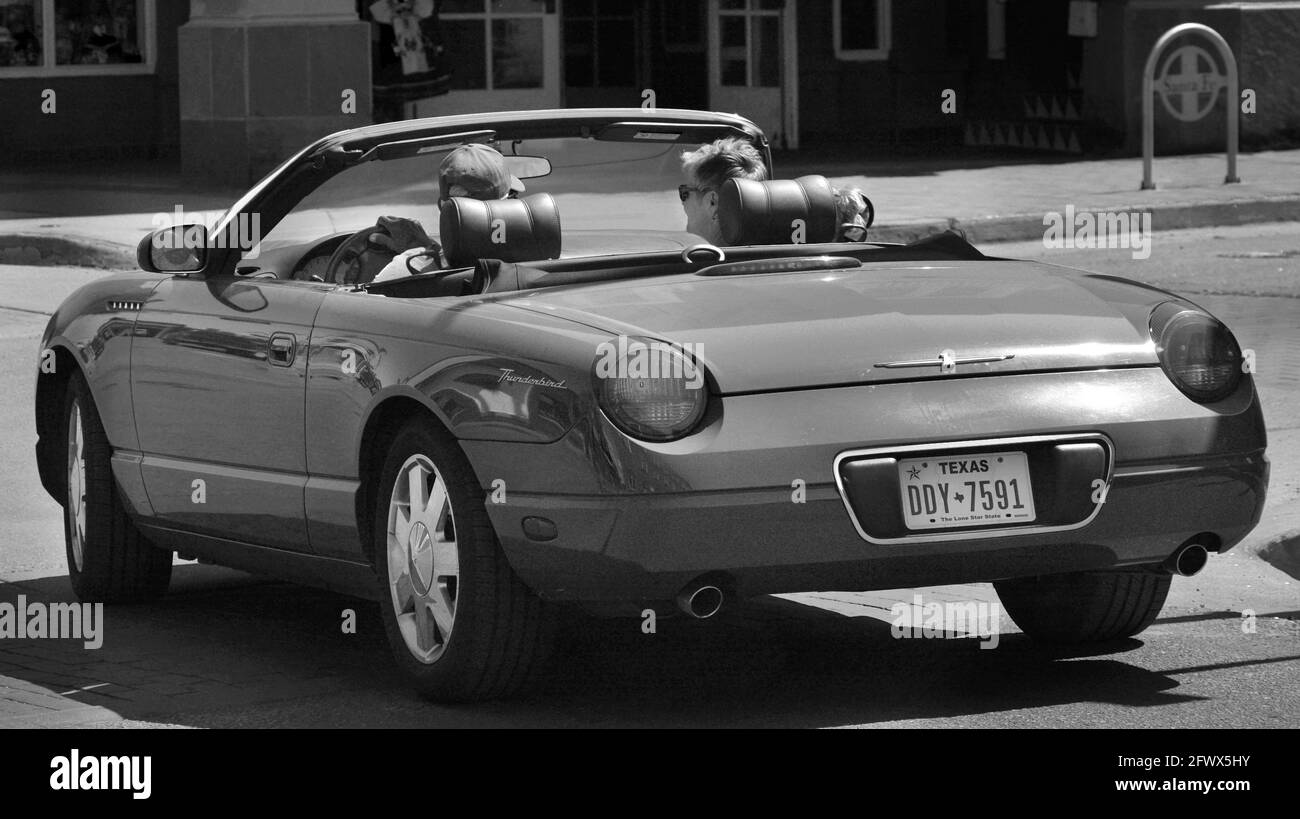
568 400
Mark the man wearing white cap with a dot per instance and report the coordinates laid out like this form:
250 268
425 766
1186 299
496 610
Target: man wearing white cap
475 171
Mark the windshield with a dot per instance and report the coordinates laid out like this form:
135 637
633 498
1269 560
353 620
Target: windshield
612 196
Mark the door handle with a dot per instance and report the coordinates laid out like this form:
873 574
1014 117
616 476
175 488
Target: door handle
282 349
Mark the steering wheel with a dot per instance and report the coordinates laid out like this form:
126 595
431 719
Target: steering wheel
357 261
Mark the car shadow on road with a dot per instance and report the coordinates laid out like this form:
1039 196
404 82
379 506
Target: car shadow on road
1230 615
768 665
1284 554
222 641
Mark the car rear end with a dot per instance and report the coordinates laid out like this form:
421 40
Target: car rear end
886 426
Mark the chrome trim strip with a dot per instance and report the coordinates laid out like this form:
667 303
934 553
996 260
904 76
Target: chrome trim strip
1124 473
938 362
688 252
977 534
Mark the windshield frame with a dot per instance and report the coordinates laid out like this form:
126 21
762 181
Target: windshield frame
280 192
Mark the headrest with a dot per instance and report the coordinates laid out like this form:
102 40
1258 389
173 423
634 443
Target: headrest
512 230
764 213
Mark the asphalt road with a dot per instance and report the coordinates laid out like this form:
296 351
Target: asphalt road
226 649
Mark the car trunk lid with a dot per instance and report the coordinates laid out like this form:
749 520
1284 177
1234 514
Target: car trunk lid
879 323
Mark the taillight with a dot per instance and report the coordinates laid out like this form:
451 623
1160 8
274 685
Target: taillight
1198 353
651 390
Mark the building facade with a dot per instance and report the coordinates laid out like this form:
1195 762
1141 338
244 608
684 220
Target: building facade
233 86
89 78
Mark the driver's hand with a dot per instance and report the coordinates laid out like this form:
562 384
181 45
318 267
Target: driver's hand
397 234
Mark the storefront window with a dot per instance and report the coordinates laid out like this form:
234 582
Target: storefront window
97 32
516 53
514 29
861 29
683 25
21 33
465 44
74 36
735 52
750 43
600 43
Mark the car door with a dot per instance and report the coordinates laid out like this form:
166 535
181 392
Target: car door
218 378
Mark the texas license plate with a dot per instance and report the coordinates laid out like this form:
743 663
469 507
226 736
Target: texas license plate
943 491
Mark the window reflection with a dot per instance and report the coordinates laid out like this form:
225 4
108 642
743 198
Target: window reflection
512 29
20 33
517 53
97 32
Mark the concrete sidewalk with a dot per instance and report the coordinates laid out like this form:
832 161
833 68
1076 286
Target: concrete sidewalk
1005 203
92 216
96 217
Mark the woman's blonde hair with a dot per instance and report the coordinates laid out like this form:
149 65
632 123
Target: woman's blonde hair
850 205
728 158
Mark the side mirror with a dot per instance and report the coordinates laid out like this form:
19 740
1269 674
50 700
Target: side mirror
176 249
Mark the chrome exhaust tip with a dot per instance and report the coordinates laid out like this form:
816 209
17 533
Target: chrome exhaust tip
700 602
1188 560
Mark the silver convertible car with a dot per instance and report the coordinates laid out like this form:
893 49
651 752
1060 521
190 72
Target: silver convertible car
581 403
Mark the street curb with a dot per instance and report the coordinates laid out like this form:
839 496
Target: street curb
60 718
1029 226
43 250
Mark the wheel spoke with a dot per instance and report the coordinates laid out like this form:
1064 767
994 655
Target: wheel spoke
401 526
417 487
77 442
425 635
446 559
406 624
441 610
436 512
403 592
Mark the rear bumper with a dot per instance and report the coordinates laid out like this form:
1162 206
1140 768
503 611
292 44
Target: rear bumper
647 548
754 495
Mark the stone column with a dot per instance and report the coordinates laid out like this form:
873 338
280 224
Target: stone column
261 79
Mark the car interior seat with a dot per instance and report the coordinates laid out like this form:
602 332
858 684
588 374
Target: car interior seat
777 212
512 230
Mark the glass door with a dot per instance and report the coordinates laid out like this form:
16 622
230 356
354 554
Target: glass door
752 71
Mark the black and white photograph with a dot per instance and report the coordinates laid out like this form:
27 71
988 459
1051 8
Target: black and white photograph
773 364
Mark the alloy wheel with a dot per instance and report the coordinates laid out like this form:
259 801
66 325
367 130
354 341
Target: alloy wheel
423 561
76 506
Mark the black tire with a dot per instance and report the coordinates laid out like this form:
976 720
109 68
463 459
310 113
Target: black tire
501 633
116 563
1086 607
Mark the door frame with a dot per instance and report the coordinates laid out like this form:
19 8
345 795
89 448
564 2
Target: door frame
789 88
549 95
